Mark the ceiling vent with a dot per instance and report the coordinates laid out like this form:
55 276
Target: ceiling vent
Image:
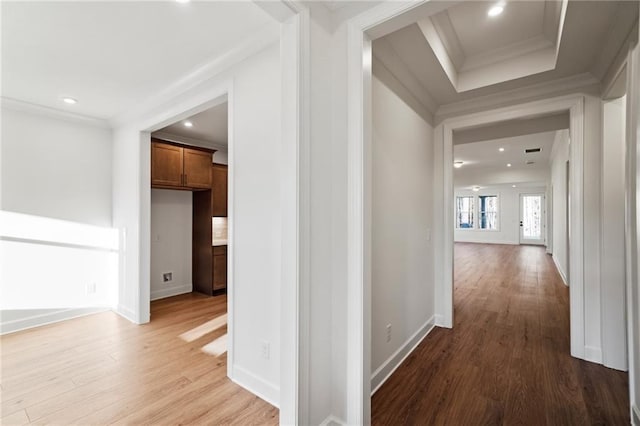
532 150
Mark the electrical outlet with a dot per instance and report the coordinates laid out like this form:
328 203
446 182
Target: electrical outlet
167 276
264 349
91 288
388 333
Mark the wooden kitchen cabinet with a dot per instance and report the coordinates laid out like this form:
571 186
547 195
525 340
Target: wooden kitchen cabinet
166 165
219 268
179 167
219 188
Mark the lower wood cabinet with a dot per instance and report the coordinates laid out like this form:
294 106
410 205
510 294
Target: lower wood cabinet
219 267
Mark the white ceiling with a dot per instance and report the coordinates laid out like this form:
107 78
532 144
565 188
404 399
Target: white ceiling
520 21
486 154
110 56
592 35
210 126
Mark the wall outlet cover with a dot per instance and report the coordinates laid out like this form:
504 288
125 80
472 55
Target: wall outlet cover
167 276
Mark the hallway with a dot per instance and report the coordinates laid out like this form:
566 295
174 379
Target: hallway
507 359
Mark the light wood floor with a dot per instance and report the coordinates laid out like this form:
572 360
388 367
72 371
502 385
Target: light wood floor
506 361
101 369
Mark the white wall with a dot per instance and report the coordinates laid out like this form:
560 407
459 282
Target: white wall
402 206
508 231
255 187
171 239
613 285
55 168
559 158
51 270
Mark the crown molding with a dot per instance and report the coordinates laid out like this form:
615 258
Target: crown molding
572 84
260 40
58 114
385 55
170 137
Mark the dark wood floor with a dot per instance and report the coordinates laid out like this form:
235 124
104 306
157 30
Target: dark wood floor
101 369
506 361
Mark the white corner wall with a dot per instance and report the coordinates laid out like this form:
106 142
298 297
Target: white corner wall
508 231
171 240
254 156
402 207
560 243
612 278
55 168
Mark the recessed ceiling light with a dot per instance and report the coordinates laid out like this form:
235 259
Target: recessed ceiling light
458 164
509 165
182 1
501 149
188 124
495 10
513 186
70 101
476 188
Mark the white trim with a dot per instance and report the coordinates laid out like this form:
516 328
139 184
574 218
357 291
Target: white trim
127 313
565 85
593 354
58 114
32 321
295 182
220 147
560 270
332 421
174 290
635 412
575 105
257 386
382 374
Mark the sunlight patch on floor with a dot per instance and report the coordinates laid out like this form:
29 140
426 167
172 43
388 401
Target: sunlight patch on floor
217 347
207 327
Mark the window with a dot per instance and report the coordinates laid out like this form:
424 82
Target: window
465 207
488 211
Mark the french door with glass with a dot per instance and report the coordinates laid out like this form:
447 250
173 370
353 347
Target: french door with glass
532 211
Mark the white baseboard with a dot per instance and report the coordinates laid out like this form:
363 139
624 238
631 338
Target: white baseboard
256 385
332 421
127 313
593 354
171 291
440 322
390 365
479 241
635 420
47 318
560 271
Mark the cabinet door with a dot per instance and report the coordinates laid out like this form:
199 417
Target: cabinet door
219 271
197 169
166 165
219 190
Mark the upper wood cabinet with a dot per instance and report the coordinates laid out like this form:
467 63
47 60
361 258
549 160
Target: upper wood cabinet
219 175
166 165
179 167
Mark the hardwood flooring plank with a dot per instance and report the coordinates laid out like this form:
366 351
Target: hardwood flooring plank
101 369
507 360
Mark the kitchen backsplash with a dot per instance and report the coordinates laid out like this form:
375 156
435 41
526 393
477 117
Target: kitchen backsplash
219 228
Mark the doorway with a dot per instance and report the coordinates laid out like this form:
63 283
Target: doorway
532 219
189 228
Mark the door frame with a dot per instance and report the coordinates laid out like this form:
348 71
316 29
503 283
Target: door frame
359 129
543 239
